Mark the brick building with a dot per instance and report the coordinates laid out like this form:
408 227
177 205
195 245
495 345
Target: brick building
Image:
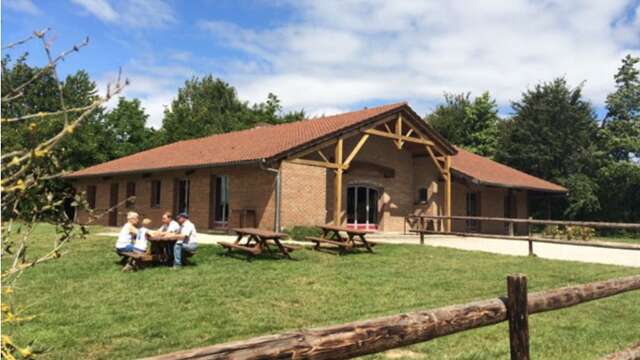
368 168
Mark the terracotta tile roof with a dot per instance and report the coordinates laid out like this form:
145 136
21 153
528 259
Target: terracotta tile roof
265 142
235 147
488 172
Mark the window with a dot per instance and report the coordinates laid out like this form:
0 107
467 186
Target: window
183 196
222 199
131 192
423 194
91 196
156 191
473 209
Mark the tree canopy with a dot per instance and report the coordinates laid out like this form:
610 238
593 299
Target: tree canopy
470 124
206 106
551 135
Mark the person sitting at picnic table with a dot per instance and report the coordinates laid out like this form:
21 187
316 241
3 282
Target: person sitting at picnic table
168 224
128 233
188 243
141 240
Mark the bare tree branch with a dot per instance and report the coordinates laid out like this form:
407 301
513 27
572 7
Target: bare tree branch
27 39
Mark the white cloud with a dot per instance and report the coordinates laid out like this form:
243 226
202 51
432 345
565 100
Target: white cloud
153 84
338 53
131 13
25 6
99 8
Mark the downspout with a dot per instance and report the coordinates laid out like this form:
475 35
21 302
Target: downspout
263 166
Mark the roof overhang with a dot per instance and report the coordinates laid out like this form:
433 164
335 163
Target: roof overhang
444 146
172 168
473 180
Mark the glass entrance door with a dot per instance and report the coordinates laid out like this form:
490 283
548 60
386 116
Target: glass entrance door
362 207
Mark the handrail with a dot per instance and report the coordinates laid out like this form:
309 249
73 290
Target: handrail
371 336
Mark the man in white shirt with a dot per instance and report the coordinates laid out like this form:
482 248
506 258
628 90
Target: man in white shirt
168 224
189 243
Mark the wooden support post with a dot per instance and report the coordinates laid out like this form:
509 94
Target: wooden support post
511 232
447 190
337 215
518 315
529 238
399 131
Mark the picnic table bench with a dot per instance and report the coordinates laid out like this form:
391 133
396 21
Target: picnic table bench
133 260
257 241
332 235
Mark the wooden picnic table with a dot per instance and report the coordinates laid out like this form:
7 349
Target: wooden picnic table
162 247
256 241
332 234
160 251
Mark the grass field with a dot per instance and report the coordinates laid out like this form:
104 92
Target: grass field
87 308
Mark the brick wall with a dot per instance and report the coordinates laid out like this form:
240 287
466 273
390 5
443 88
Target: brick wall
249 188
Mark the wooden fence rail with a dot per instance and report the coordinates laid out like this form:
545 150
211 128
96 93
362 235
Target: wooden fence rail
530 238
372 336
595 224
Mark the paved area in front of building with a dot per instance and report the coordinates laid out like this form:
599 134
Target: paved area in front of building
589 254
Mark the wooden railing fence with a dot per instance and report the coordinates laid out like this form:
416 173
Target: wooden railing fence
372 336
420 224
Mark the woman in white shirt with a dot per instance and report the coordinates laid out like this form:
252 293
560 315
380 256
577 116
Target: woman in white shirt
128 233
141 240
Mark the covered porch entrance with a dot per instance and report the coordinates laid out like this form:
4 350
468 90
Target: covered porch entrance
362 207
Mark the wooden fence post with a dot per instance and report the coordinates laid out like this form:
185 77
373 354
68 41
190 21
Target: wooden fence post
518 315
529 238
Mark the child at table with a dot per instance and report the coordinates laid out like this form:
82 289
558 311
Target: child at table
141 240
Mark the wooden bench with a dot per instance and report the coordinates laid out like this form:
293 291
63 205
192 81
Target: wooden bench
135 260
250 250
342 245
289 247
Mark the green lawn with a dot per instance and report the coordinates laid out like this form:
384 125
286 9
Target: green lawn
87 308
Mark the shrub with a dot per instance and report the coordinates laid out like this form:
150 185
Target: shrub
551 231
299 232
586 233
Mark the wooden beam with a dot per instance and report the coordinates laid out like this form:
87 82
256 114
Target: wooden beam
386 126
323 156
337 215
313 149
435 160
395 137
447 190
355 150
399 142
409 133
321 164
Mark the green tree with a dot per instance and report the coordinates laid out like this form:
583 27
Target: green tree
621 126
551 135
470 124
127 130
619 177
83 149
206 106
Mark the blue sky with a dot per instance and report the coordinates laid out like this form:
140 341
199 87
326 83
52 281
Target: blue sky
333 56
